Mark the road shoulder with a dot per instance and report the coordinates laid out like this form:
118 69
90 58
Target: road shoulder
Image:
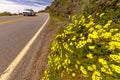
41 59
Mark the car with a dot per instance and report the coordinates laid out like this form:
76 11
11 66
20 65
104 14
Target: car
28 12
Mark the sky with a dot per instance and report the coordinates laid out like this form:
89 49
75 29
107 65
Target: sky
17 6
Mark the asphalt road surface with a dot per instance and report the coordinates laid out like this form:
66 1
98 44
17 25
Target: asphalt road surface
15 33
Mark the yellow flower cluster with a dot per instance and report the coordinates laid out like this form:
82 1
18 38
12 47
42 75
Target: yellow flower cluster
90 24
108 24
116 37
98 26
66 46
90 68
86 46
91 29
90 55
96 75
116 58
81 44
83 70
101 60
89 40
93 35
113 44
82 20
106 35
53 48
115 68
73 74
105 67
91 47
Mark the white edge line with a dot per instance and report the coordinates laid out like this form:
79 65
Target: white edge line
6 74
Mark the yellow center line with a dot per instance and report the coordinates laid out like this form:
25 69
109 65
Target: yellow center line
9 21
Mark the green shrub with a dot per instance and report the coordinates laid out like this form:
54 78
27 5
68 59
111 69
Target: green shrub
89 48
5 14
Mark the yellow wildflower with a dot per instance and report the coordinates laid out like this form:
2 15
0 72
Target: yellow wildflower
90 68
114 44
100 31
106 70
91 29
101 60
81 34
89 16
73 74
76 66
90 55
81 44
98 26
96 75
78 62
106 35
94 35
115 68
113 30
110 21
116 58
89 40
91 47
83 70
91 23
71 43
116 37
119 54
97 14
76 22
94 66
102 14
82 38
74 38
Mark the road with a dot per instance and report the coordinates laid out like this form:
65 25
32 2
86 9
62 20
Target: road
15 33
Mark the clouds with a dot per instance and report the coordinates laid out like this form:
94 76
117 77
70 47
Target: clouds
15 6
32 2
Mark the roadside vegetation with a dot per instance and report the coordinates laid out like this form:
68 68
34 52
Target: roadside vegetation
58 22
5 14
89 47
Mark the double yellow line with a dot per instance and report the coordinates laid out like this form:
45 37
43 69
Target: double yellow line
4 22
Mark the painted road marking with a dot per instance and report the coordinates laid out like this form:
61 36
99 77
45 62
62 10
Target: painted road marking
4 22
6 74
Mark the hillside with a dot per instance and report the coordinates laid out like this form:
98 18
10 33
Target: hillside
71 7
64 7
89 47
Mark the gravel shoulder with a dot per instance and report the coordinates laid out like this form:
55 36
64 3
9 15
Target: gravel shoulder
40 61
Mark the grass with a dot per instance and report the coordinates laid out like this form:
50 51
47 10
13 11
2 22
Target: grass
58 21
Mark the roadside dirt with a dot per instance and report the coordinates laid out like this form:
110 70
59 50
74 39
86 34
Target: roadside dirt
41 58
